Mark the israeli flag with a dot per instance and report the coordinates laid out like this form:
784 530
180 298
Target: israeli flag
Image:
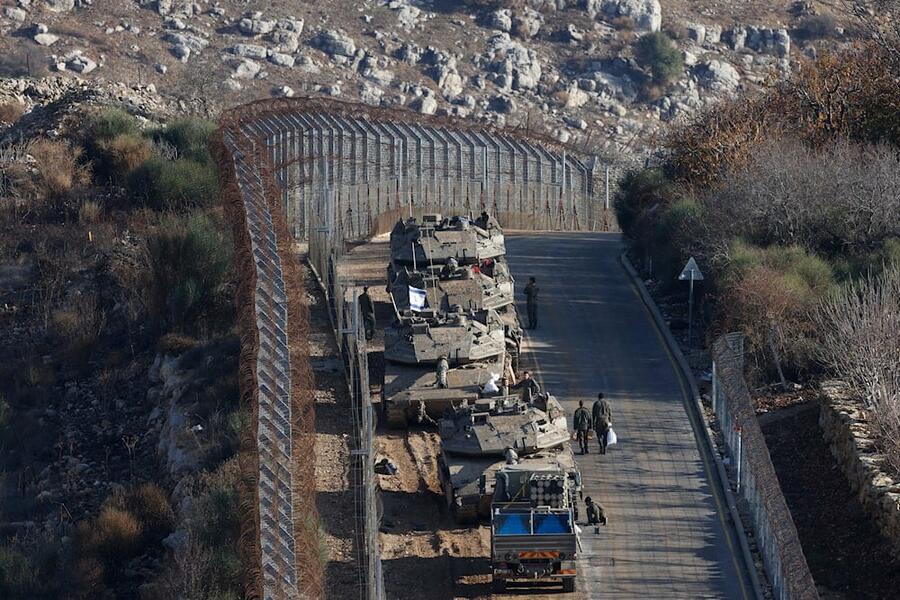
416 299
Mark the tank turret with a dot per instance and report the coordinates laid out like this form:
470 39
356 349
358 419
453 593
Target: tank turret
459 337
436 239
447 286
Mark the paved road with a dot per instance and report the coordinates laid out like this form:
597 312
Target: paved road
667 538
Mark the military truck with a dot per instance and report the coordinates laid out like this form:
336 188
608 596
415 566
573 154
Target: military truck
533 531
434 361
479 439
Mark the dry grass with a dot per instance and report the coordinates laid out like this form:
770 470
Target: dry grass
113 537
59 168
149 505
10 112
90 212
126 153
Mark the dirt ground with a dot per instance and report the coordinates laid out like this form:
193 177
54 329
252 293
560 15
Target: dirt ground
844 550
334 497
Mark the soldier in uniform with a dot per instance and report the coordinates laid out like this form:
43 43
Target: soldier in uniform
531 297
367 308
530 388
582 423
602 415
596 515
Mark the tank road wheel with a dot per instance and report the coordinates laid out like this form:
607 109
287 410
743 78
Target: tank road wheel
569 584
396 416
498 586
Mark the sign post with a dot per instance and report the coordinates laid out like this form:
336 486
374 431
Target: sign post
691 272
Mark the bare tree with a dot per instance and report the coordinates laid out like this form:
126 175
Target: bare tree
879 20
859 331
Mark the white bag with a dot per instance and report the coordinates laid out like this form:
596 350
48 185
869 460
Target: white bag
611 437
491 386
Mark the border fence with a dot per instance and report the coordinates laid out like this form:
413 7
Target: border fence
757 482
329 173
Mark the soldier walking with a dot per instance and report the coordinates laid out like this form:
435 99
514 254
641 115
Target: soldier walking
367 308
582 422
531 297
602 417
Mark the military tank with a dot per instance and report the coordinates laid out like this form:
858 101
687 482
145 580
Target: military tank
448 286
434 361
493 433
436 239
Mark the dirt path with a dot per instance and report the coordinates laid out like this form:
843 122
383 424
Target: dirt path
334 497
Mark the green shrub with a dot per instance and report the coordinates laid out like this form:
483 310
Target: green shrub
639 190
174 184
655 52
190 265
815 27
190 137
113 122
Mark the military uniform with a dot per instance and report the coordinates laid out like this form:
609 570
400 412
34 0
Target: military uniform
367 308
531 298
602 415
582 423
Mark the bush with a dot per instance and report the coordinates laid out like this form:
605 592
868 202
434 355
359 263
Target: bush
176 185
859 335
655 52
189 267
638 191
113 537
149 505
10 112
123 154
111 123
59 168
190 138
815 27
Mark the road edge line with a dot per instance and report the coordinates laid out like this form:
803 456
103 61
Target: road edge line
695 406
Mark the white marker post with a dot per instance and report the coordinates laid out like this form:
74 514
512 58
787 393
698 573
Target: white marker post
691 272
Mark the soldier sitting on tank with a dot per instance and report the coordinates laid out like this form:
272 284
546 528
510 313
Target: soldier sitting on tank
450 268
530 388
596 515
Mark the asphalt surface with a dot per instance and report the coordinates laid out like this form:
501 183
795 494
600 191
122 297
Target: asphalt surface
667 536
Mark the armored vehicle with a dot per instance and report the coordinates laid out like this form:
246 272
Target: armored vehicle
448 286
429 337
434 361
479 439
437 239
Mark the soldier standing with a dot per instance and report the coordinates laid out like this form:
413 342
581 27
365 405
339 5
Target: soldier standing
602 415
582 422
531 297
367 308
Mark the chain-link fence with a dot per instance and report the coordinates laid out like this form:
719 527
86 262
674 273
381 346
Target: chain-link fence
757 482
332 173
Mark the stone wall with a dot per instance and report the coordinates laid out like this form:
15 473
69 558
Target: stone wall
843 422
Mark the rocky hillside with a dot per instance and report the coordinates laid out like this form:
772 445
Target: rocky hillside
565 66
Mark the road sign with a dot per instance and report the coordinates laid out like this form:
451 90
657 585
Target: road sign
691 271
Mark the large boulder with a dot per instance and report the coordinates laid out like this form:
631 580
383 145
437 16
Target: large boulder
59 5
646 14
527 23
718 76
334 43
500 19
513 61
